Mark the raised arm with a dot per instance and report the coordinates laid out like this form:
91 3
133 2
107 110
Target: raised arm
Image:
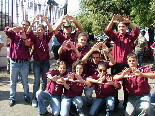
72 19
94 48
123 75
113 20
59 23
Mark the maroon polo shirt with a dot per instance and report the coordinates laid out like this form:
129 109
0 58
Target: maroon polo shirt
61 37
70 56
52 87
104 90
41 49
17 50
76 88
136 85
92 68
122 45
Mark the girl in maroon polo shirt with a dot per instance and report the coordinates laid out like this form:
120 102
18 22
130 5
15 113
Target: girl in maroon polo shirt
41 55
105 89
53 90
76 82
71 51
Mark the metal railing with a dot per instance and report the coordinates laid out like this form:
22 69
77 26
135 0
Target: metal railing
13 12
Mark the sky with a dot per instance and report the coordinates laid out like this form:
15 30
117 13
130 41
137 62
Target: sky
73 6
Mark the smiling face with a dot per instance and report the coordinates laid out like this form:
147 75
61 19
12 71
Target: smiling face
122 28
102 71
79 69
62 69
25 25
132 62
40 31
67 29
96 58
82 41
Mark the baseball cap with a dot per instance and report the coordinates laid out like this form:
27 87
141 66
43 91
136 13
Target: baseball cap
67 24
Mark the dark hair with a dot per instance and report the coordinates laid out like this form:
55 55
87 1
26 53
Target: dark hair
131 55
121 20
102 64
41 25
61 63
96 52
79 34
26 21
78 62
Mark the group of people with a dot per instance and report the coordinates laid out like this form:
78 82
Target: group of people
81 68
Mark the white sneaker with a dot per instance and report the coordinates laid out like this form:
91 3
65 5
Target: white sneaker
34 103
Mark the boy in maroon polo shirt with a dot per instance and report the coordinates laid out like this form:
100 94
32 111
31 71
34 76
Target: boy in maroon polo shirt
67 29
19 55
123 43
92 65
136 83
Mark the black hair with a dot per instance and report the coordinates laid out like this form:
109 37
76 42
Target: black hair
26 21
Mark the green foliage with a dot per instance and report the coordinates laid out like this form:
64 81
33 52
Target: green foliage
96 14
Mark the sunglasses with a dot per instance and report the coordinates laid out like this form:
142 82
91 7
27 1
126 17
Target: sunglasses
101 70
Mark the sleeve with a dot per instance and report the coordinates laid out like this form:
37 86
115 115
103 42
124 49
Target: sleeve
9 34
60 37
31 36
84 52
110 34
49 36
135 34
53 72
153 45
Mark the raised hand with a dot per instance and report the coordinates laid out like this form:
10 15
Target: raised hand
43 18
96 47
101 79
22 34
65 18
16 29
109 80
35 19
136 71
79 78
104 47
115 18
71 18
126 72
71 77
125 18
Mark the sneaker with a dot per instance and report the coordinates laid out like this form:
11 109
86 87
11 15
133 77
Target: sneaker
43 114
12 103
28 100
34 103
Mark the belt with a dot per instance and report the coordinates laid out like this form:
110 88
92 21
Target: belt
20 61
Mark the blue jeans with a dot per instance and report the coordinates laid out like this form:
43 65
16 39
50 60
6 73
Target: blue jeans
153 98
38 69
66 103
55 102
138 105
140 56
15 70
100 102
88 91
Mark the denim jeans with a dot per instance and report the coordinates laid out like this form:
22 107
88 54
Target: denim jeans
140 56
55 102
100 102
138 105
38 69
153 98
88 91
15 70
66 103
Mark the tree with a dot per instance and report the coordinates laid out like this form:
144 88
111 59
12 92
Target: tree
96 14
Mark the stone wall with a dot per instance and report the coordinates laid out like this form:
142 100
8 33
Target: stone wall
3 52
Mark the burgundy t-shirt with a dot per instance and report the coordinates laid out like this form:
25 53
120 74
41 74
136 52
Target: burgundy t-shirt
61 37
17 50
41 49
92 68
137 85
122 45
105 90
76 88
52 87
